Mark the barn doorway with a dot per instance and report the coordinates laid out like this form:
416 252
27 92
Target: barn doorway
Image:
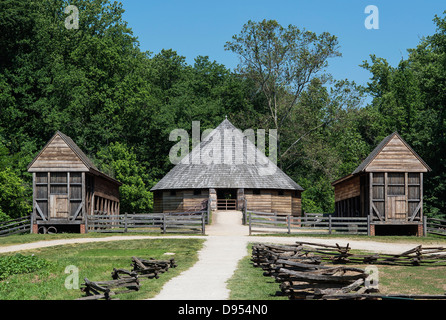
226 199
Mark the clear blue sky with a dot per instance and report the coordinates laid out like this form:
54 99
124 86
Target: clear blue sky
202 27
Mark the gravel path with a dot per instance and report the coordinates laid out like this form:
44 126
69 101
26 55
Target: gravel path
226 243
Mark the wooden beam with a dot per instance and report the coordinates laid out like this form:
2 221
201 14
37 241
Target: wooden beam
421 196
83 197
40 212
33 215
371 195
77 211
377 212
386 214
417 209
406 193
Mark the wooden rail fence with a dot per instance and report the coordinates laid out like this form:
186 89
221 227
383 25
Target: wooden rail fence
312 223
436 226
192 222
15 226
312 271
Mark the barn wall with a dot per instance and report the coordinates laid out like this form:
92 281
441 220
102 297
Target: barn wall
194 201
157 201
172 201
104 188
282 202
347 189
179 200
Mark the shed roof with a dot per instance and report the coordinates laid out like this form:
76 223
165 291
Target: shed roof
89 165
378 149
226 158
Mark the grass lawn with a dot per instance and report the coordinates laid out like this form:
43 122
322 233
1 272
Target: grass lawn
249 283
32 237
96 261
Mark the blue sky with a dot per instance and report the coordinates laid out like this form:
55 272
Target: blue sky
199 27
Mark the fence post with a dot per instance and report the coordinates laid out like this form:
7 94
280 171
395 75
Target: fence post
288 219
164 223
244 212
125 222
329 224
208 212
368 225
425 226
249 218
203 223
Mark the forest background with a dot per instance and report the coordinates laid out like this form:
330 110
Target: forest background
119 103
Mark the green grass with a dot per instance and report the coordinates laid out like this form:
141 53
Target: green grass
412 280
31 237
249 283
95 261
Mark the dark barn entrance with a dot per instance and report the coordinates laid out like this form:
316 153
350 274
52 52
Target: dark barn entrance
226 199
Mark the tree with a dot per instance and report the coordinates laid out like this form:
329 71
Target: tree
411 98
282 62
120 162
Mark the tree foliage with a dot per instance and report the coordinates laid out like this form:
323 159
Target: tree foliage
411 98
119 103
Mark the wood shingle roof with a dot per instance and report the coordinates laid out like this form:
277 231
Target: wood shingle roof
226 158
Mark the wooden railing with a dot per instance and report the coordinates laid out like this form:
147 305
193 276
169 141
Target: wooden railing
317 224
15 226
226 204
435 226
193 222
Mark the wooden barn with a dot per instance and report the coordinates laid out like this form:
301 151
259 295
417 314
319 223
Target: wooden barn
227 168
388 187
67 186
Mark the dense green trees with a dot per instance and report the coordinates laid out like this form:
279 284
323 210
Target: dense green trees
411 98
119 104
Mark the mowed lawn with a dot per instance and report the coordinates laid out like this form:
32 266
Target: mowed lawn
96 261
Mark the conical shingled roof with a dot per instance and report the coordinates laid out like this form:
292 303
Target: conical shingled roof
226 158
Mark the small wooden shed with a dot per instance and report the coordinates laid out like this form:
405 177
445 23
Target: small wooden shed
227 168
387 186
67 186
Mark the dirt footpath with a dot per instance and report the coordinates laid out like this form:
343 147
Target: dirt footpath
226 245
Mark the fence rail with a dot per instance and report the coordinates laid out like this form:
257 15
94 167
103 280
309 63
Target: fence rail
226 204
436 226
192 222
312 223
15 226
